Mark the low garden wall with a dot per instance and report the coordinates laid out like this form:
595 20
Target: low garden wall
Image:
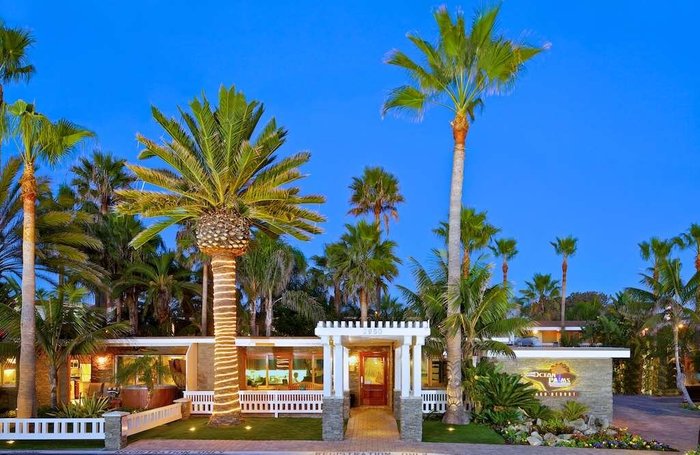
588 381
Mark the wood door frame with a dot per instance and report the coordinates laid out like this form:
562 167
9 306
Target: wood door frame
374 354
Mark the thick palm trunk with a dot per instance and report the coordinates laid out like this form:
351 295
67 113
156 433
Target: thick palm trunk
26 405
253 323
268 315
53 386
564 269
337 298
363 305
504 269
455 413
680 376
227 406
132 306
205 297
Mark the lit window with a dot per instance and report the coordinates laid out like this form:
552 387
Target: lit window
9 373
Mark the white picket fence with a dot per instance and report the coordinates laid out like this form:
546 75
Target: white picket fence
434 401
51 428
142 421
264 401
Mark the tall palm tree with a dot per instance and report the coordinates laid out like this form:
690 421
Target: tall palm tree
506 249
657 251
38 139
475 234
671 296
564 247
539 295
226 181
66 327
458 73
187 242
362 257
328 277
691 239
14 64
377 193
98 177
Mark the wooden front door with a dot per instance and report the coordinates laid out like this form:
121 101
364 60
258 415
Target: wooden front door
373 379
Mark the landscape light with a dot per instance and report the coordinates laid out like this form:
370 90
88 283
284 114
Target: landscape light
248 427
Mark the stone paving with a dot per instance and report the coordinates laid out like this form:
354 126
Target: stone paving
659 418
371 423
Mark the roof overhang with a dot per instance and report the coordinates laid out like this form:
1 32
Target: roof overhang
569 353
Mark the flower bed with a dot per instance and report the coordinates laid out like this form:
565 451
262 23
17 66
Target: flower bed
592 433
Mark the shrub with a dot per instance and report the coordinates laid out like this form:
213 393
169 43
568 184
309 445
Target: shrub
505 391
693 452
500 418
573 410
539 411
555 425
87 407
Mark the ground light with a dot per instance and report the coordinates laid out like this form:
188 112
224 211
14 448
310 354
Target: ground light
450 429
192 428
248 427
10 442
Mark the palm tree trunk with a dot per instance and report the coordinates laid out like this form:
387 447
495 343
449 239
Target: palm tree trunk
268 315
253 323
455 413
227 405
363 305
205 296
504 268
337 298
564 269
118 307
680 377
26 403
53 386
466 263
132 306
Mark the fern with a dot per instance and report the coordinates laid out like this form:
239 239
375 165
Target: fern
572 410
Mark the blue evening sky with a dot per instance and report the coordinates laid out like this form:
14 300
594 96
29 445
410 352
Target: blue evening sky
600 138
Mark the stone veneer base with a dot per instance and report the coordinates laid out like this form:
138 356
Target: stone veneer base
411 416
333 418
397 404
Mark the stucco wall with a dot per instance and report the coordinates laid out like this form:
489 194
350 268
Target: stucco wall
205 366
592 383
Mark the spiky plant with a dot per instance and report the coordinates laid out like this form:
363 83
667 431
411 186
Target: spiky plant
226 181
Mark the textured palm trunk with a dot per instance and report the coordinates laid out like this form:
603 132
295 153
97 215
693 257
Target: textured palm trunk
466 263
337 297
132 305
253 323
363 305
504 269
205 296
53 385
268 315
377 221
697 270
227 405
564 270
26 403
455 413
118 308
680 377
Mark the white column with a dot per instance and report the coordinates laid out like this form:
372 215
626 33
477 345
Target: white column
397 369
327 366
346 369
417 367
405 367
337 367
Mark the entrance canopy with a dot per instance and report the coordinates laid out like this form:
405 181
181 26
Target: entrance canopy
407 337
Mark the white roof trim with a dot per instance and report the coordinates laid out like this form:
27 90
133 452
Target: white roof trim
572 328
570 353
279 341
157 342
373 328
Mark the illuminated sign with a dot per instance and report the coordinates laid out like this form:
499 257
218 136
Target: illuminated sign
556 381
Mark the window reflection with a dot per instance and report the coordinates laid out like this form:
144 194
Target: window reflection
284 369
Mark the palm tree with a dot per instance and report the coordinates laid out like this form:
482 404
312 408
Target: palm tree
163 280
657 251
459 73
506 249
39 139
14 65
66 327
377 193
225 181
539 294
475 231
187 242
328 277
363 258
671 296
98 177
564 247
691 239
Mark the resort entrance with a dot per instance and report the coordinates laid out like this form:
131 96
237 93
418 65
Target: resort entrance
373 379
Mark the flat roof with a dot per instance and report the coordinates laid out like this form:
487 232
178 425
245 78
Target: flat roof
569 353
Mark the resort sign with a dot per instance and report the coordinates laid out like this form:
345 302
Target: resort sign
555 381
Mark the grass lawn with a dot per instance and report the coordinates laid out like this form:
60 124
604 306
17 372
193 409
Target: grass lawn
51 445
252 428
436 431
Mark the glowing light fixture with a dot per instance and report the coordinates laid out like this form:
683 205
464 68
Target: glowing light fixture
450 429
192 428
248 427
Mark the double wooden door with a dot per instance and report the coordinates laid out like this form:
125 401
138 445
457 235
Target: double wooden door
373 379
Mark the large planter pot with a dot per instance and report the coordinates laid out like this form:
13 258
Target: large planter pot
136 397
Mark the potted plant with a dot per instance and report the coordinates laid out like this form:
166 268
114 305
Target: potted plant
144 371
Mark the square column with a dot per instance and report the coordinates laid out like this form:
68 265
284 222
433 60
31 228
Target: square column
346 369
327 367
417 367
405 367
337 367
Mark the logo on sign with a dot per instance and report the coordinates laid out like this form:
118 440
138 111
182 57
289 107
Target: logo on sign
555 381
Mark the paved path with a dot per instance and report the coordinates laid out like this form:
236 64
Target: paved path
659 418
371 423
171 447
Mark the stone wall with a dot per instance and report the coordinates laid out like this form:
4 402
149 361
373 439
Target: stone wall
592 382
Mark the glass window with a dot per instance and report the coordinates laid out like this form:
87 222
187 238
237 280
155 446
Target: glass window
256 370
173 371
9 373
301 369
278 373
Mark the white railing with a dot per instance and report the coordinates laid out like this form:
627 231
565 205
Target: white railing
52 428
202 401
142 421
434 401
374 324
264 401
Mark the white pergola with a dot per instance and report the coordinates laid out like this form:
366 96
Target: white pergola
336 336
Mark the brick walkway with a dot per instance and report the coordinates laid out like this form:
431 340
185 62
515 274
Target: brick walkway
173 446
659 418
371 423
